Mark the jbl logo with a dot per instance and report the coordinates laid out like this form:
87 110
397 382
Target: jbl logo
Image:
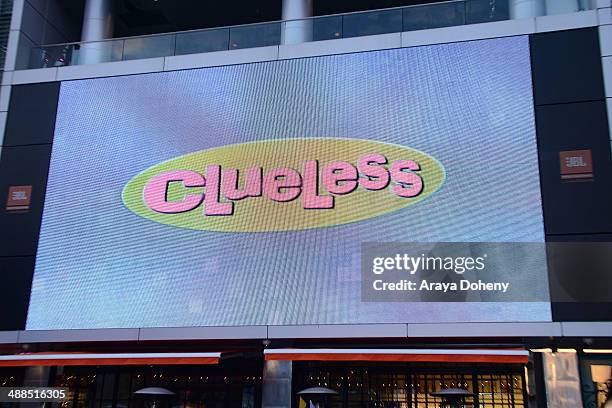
576 165
19 198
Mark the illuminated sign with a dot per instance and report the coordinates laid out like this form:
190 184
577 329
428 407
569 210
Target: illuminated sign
19 198
576 165
243 187
245 195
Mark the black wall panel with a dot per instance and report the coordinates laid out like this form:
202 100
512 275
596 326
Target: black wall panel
566 66
571 115
575 207
581 273
22 165
24 162
16 275
31 117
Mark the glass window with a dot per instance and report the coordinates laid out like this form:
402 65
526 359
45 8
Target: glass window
398 385
257 35
433 16
202 41
97 52
51 56
375 22
124 386
148 47
108 388
482 11
327 28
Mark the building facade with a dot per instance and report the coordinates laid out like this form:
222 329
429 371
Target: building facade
298 204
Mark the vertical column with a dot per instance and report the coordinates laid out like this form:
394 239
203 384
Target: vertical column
35 376
97 26
276 387
534 382
562 379
296 31
526 8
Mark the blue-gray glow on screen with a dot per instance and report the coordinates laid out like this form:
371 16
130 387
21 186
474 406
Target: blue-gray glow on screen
99 265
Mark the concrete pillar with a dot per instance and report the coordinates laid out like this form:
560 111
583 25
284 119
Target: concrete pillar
562 6
36 376
562 379
97 26
276 386
526 8
295 32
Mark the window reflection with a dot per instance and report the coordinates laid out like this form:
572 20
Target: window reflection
410 386
194 386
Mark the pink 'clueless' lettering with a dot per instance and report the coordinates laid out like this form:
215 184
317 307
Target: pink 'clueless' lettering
283 184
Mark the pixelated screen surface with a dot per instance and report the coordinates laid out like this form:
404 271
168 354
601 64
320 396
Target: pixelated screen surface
115 251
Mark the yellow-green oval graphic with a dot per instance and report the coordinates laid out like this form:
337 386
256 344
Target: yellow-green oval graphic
283 185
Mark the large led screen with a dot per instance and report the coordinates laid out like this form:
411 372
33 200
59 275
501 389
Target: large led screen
247 194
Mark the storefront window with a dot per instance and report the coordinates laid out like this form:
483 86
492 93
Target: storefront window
193 386
10 377
410 386
596 379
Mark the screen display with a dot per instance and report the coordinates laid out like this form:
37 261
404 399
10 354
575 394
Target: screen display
247 194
